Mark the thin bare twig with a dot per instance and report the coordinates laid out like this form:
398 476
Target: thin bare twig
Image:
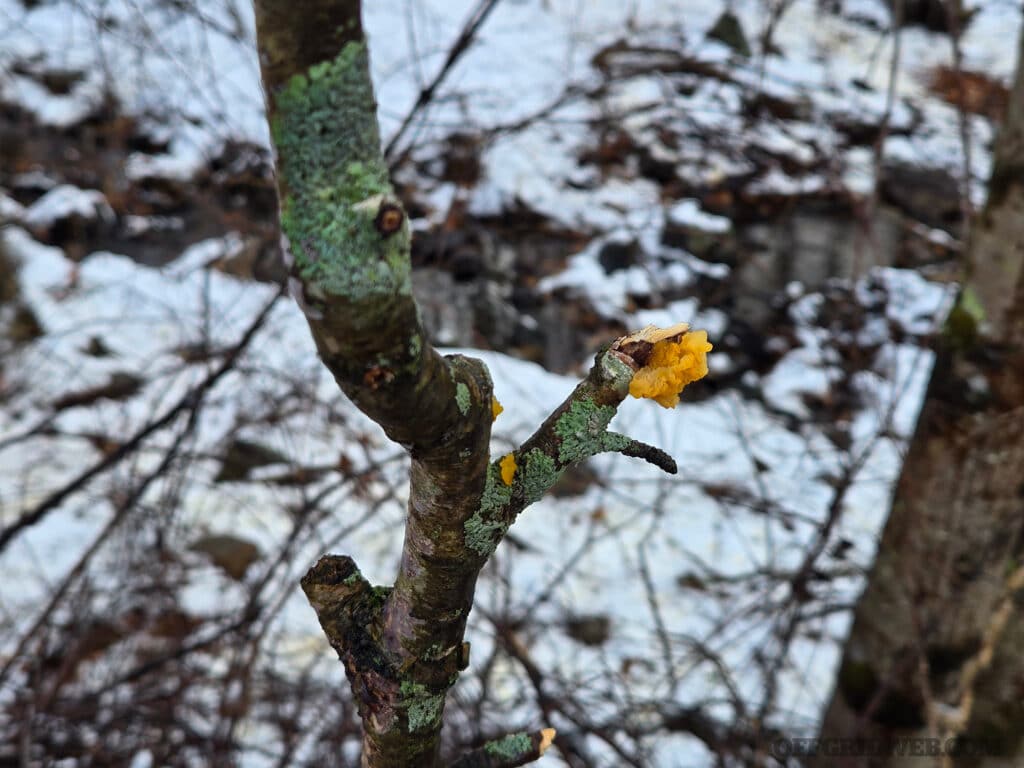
187 401
461 45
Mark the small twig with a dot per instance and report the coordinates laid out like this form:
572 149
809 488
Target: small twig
651 593
511 751
514 647
884 125
189 400
651 455
83 561
461 45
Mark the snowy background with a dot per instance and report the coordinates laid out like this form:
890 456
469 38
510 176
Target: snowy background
173 457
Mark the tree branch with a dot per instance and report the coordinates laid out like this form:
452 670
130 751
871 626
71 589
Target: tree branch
347 242
347 239
459 47
509 752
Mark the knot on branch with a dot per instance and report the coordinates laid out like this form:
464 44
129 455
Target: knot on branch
473 386
389 218
465 404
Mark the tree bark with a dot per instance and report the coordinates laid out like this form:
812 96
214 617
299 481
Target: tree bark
346 239
935 650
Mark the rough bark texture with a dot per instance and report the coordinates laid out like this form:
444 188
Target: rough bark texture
348 242
346 238
935 650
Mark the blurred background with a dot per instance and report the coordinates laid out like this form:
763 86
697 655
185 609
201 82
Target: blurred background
795 176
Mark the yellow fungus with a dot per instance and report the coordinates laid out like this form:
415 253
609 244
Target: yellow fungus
495 408
547 735
671 366
508 468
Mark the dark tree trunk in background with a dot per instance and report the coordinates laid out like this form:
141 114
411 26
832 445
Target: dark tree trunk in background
936 649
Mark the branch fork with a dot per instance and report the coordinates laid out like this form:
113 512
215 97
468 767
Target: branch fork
347 241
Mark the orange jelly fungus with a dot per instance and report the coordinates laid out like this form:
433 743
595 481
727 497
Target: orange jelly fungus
508 468
672 365
496 408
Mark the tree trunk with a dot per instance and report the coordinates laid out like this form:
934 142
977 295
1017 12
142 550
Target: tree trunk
346 240
936 649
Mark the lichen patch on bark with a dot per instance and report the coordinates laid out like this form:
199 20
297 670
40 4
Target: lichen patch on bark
348 234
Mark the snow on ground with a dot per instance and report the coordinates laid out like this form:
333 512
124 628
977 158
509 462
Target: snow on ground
707 527
688 569
192 70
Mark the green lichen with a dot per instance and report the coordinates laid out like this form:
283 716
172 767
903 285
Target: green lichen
539 474
482 536
379 595
583 430
335 180
614 442
617 372
462 398
488 524
353 578
424 707
434 652
415 346
509 748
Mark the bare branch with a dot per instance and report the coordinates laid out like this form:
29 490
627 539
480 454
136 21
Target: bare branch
459 47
